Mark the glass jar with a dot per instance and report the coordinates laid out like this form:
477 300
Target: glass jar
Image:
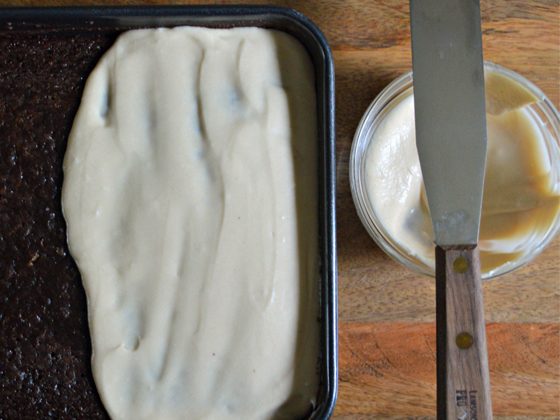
545 119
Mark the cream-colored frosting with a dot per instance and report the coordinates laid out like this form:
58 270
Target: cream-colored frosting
521 196
190 198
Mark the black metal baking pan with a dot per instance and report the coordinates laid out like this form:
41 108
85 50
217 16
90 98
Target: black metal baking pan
45 57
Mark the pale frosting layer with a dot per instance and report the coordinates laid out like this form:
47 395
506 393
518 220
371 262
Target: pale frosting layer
191 203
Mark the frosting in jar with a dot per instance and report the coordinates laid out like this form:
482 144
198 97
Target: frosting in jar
190 199
521 192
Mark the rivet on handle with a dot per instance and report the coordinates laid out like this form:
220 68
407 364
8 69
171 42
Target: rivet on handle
460 265
464 340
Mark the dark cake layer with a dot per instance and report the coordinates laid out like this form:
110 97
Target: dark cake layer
44 340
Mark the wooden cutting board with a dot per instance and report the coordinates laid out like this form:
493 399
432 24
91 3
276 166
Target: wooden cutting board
387 333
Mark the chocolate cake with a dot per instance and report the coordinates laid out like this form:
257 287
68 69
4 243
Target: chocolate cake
44 341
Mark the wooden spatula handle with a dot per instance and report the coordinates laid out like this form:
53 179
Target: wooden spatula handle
463 382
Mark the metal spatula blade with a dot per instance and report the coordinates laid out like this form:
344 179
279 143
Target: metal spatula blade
450 115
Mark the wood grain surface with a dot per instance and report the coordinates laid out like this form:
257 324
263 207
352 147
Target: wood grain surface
387 333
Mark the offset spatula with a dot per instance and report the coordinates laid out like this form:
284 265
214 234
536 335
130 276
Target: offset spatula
451 141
